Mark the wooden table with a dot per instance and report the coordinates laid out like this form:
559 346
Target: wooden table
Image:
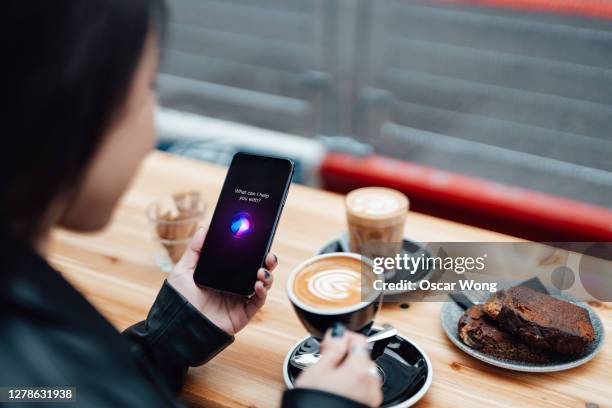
116 272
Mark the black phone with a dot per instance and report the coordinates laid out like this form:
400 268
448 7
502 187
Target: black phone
243 223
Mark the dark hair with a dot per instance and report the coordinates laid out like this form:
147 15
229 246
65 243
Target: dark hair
67 71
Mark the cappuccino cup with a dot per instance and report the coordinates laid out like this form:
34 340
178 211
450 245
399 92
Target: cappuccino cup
375 218
334 287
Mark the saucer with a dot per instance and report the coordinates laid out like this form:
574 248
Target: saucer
410 247
400 359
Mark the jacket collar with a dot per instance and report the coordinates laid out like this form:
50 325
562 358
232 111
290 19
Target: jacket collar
31 284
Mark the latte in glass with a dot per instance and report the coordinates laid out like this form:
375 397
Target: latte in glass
375 218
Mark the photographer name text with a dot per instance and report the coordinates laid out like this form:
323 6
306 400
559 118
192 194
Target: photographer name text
411 264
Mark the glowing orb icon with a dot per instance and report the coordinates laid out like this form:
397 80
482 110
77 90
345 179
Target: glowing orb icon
241 225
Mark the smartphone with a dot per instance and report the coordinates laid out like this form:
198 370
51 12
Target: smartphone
243 223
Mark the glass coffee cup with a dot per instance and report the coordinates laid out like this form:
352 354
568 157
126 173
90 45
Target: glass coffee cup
334 287
174 221
375 218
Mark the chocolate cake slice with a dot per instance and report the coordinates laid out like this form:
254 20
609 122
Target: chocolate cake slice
480 333
541 320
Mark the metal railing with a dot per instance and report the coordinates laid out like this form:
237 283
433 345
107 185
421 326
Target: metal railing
523 84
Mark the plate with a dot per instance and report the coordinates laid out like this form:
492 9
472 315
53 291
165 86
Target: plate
451 312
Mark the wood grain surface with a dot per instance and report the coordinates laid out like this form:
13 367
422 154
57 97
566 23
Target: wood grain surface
116 271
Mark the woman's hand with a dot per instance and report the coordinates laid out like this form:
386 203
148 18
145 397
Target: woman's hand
227 311
345 368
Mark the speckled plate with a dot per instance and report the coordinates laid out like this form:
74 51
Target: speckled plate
451 312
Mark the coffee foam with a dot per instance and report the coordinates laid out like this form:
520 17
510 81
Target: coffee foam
376 206
332 282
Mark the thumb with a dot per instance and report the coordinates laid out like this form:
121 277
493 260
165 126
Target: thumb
333 349
189 260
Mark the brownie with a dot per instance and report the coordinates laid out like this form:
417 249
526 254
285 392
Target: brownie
541 320
479 332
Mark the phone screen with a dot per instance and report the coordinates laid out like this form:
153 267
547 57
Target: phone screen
244 222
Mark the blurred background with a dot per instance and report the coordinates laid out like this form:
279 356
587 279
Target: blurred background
497 113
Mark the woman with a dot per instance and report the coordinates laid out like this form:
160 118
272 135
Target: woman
79 80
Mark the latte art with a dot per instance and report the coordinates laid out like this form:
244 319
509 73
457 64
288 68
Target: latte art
375 204
335 284
332 288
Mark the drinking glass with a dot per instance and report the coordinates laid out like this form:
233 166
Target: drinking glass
174 220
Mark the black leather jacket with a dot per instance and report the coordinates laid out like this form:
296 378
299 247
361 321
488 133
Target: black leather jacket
51 336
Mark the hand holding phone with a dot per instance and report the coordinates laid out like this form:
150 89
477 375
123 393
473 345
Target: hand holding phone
227 311
243 223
